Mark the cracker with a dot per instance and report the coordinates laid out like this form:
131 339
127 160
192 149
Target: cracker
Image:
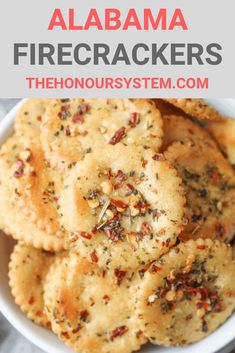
179 128
123 205
195 107
223 132
73 127
209 184
87 309
37 187
188 293
29 117
27 271
13 220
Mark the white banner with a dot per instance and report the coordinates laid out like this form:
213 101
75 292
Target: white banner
180 48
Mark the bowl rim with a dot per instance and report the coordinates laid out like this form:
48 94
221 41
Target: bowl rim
34 333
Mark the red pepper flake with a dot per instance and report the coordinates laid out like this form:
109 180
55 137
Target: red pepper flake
129 187
94 230
120 177
31 300
118 332
65 334
84 235
144 163
134 119
189 317
48 324
221 230
119 275
201 247
65 107
146 228
39 278
67 131
39 313
214 176
74 237
118 186
202 293
171 305
106 298
191 291
112 235
20 171
77 329
139 334
78 118
118 204
191 131
155 268
84 108
94 257
118 136
39 118
217 307
64 113
142 207
157 157
205 305
84 315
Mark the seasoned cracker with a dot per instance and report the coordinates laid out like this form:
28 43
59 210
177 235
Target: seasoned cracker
195 107
179 128
223 132
29 117
13 219
74 127
123 205
188 293
92 310
209 183
37 187
27 271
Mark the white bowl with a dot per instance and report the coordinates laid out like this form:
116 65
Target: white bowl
46 340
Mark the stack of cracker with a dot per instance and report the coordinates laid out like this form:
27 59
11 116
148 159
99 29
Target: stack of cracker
123 214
